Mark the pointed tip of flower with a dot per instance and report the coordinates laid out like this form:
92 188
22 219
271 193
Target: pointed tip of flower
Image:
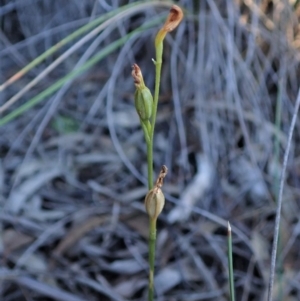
174 18
136 74
228 227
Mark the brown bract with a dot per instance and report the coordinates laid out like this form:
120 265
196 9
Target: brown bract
174 18
137 75
160 180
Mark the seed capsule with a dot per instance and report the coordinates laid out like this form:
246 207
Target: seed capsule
143 99
154 202
143 102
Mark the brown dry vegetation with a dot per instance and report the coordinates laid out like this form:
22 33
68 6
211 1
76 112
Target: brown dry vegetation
73 167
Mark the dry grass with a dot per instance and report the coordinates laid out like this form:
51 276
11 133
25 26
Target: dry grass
73 169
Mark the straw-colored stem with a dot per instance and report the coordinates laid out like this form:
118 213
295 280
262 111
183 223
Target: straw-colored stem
280 198
56 47
278 114
152 242
91 62
67 40
230 264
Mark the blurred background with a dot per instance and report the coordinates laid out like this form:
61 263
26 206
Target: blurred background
73 157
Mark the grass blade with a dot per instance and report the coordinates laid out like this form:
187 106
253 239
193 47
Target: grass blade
280 196
63 42
230 264
91 62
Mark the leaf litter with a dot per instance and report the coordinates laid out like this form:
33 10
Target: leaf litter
73 222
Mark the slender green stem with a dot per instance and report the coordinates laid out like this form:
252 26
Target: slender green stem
158 63
150 163
146 129
172 22
230 264
152 242
152 233
150 160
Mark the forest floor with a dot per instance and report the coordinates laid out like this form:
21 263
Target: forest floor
73 161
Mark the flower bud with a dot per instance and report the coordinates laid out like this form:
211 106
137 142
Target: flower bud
143 102
154 202
174 18
143 99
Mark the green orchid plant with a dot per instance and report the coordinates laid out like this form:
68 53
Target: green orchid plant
146 107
